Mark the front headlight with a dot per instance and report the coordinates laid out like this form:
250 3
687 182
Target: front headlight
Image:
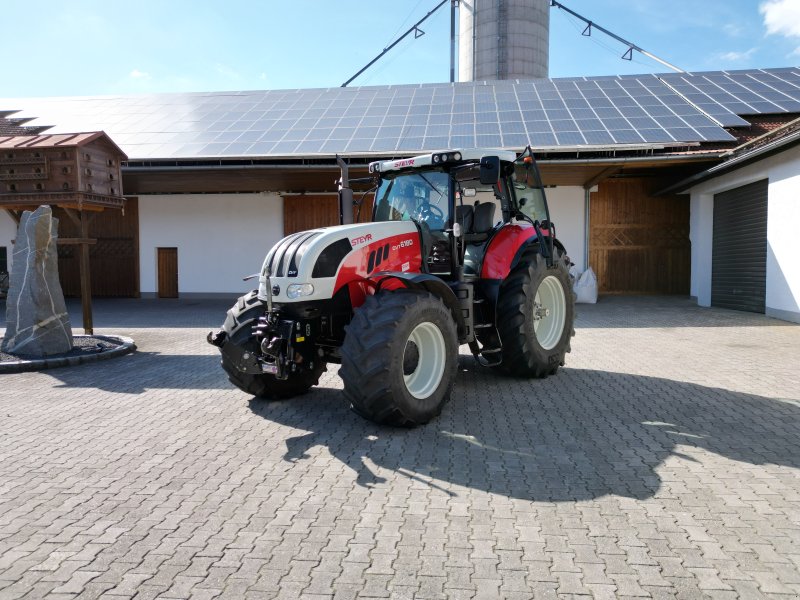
297 290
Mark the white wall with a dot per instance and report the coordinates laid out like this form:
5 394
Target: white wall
220 238
783 223
223 237
568 211
8 232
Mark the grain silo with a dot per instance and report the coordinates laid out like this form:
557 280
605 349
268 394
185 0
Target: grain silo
503 39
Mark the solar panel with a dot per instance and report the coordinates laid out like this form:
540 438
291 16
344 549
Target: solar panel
748 92
601 138
657 109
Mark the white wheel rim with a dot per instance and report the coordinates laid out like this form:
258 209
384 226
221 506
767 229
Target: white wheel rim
549 312
429 369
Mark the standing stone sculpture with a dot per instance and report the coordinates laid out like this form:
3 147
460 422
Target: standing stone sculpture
37 322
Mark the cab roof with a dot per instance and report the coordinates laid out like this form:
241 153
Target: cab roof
443 157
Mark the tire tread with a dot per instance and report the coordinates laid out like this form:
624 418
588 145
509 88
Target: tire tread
366 358
519 358
238 326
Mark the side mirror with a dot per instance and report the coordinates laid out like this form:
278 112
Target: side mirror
490 170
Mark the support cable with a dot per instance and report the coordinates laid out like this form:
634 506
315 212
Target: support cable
413 29
628 55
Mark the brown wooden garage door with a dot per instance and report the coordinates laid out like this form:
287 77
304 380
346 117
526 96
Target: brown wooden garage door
639 244
301 213
114 259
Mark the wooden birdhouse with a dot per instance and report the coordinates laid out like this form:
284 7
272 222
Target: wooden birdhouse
81 171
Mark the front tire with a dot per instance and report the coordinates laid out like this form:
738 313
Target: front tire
536 316
238 328
399 358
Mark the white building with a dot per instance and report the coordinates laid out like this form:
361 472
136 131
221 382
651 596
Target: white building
745 214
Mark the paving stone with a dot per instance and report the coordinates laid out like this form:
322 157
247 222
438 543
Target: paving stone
629 473
628 585
769 583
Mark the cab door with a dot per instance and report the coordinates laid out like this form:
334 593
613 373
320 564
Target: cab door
528 191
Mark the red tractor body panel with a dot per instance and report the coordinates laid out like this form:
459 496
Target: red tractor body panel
399 253
503 248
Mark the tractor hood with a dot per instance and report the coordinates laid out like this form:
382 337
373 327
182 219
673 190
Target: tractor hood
313 264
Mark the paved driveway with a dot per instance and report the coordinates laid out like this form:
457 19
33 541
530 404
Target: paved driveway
664 461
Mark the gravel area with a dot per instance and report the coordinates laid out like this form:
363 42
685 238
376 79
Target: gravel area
82 345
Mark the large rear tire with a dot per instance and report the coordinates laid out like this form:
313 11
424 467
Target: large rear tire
536 316
238 328
399 358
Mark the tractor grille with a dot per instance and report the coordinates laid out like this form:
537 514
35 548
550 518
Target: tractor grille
284 258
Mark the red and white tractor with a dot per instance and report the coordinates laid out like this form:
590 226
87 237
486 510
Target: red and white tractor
461 250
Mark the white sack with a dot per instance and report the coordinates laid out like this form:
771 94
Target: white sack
586 287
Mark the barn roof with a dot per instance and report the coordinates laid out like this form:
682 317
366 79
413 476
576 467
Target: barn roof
653 111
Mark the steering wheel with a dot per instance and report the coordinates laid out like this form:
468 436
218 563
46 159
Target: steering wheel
431 214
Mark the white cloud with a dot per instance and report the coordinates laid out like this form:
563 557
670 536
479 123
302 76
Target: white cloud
795 52
732 29
226 71
781 17
137 74
735 56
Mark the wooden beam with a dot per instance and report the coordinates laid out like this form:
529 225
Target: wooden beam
72 241
79 200
604 174
86 282
14 214
73 216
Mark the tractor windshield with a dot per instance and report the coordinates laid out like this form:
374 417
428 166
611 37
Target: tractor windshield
418 196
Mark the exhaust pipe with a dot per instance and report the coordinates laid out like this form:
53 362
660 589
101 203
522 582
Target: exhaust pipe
345 194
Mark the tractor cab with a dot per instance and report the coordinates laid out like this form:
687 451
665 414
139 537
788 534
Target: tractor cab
459 200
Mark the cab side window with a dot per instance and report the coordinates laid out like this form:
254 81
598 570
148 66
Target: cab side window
530 196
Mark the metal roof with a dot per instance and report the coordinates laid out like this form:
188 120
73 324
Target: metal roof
643 111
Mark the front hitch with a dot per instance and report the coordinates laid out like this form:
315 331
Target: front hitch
217 338
275 344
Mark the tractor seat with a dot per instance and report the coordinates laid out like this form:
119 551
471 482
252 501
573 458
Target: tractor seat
464 217
482 227
482 223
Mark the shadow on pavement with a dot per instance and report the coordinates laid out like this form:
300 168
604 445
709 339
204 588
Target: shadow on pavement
579 435
145 313
140 371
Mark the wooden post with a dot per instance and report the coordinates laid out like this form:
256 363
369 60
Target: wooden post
14 214
86 283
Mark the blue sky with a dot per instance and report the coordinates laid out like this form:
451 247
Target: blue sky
91 47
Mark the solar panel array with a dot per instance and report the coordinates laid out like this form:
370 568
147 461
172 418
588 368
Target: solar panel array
566 113
724 95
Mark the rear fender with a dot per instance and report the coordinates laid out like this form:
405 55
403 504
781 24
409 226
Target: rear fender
503 248
533 243
428 283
